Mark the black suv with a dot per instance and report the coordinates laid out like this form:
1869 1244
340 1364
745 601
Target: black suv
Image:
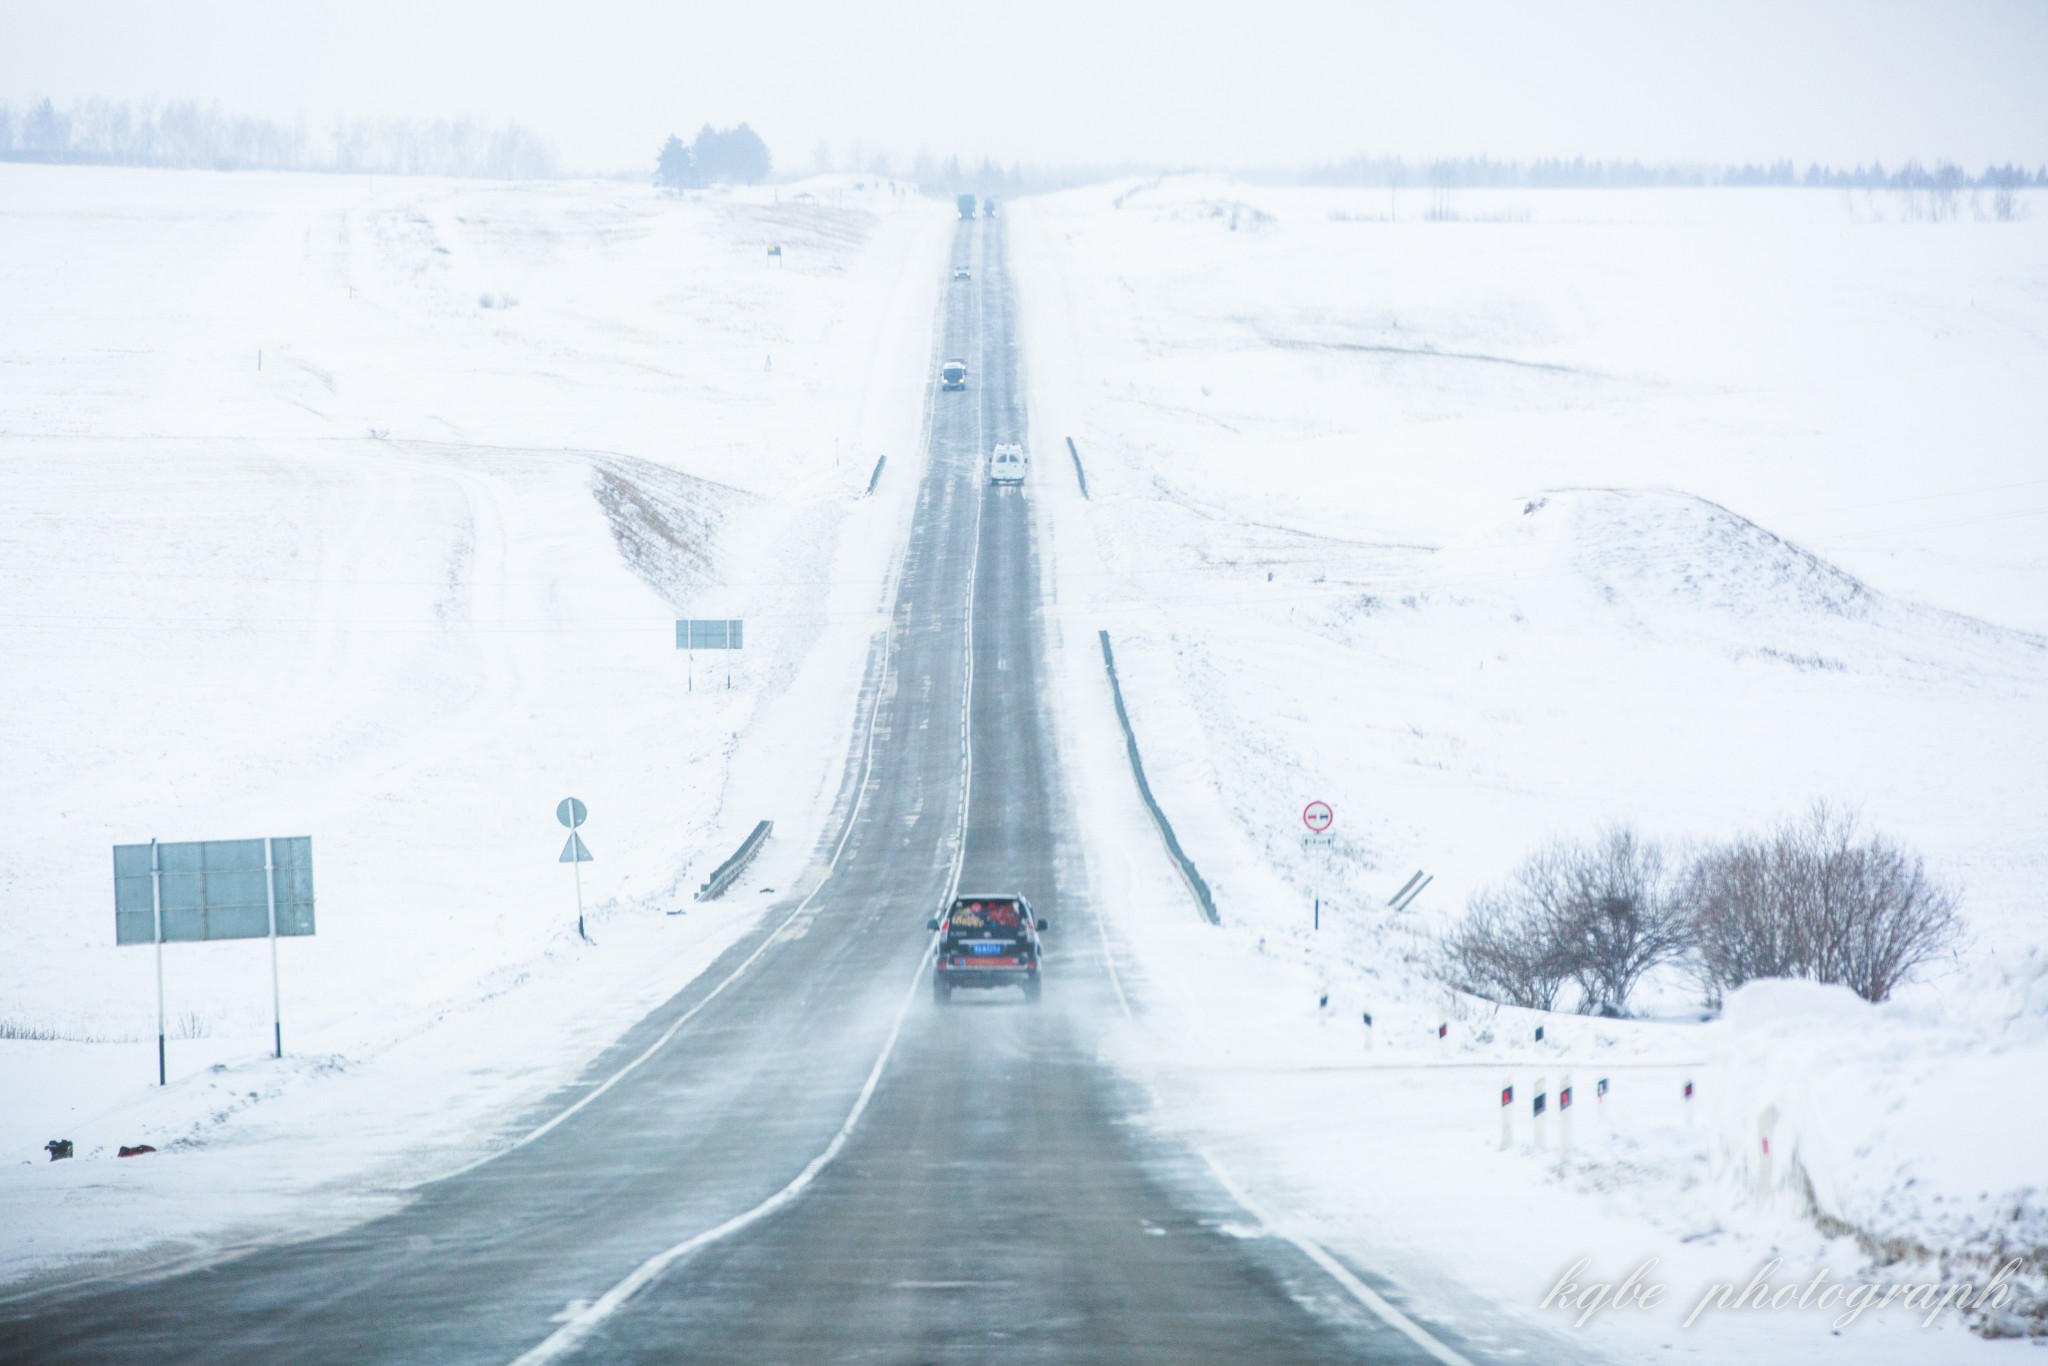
987 941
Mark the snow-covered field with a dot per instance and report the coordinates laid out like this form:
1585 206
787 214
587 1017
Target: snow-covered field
1679 508
363 509
1549 510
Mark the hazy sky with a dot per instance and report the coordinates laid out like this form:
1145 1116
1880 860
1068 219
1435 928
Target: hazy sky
1238 83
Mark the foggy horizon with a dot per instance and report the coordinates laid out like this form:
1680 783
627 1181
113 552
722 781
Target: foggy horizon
1152 86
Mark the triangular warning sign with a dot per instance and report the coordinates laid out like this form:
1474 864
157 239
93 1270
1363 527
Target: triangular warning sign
575 851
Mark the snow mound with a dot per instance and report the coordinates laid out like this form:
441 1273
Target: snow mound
1670 565
1773 1003
1652 548
1883 1122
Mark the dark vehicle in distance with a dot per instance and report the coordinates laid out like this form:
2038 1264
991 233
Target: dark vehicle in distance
953 374
986 941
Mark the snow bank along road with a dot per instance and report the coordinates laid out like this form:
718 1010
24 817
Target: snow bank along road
800 1157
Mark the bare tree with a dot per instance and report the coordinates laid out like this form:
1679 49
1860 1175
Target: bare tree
1504 951
1874 916
1601 915
1740 897
1817 899
1615 917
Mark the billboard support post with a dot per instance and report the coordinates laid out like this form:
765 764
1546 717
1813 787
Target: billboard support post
708 633
201 890
156 906
270 895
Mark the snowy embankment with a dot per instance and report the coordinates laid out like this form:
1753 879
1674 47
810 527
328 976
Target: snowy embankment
1678 509
363 509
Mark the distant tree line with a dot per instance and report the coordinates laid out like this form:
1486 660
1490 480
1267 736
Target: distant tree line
1819 898
715 155
188 135
1485 173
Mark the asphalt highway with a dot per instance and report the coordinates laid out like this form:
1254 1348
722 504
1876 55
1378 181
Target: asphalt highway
812 1161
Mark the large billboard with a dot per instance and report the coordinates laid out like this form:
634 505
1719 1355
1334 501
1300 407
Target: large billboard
213 889
709 633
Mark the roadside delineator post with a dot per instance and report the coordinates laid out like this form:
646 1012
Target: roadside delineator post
1537 1105
1766 1124
1367 1017
1443 1039
1564 1120
1688 1102
1507 1114
1600 1102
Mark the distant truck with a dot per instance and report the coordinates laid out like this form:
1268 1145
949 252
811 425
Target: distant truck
953 375
1006 464
986 942
966 203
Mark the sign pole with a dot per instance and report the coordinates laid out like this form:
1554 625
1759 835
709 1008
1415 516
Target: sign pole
270 895
156 906
578 866
1318 817
573 813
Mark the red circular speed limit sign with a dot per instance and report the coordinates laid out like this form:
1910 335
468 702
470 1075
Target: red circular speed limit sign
1317 816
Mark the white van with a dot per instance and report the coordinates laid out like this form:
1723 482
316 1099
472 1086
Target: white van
1006 464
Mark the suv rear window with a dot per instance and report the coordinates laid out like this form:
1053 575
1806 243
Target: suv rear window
985 919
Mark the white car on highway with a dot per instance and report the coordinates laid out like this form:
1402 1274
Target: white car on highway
1006 464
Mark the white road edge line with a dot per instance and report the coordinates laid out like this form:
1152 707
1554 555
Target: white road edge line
572 1333
1337 1271
1308 1247
773 936
1116 979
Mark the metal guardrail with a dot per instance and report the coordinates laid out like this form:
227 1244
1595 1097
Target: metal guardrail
722 877
876 477
1203 900
1079 473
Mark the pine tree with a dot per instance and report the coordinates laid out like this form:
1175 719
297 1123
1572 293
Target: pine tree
675 169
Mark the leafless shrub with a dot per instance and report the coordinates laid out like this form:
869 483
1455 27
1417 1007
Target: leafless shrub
1600 915
1741 929
1817 898
12 1028
1504 952
1615 916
